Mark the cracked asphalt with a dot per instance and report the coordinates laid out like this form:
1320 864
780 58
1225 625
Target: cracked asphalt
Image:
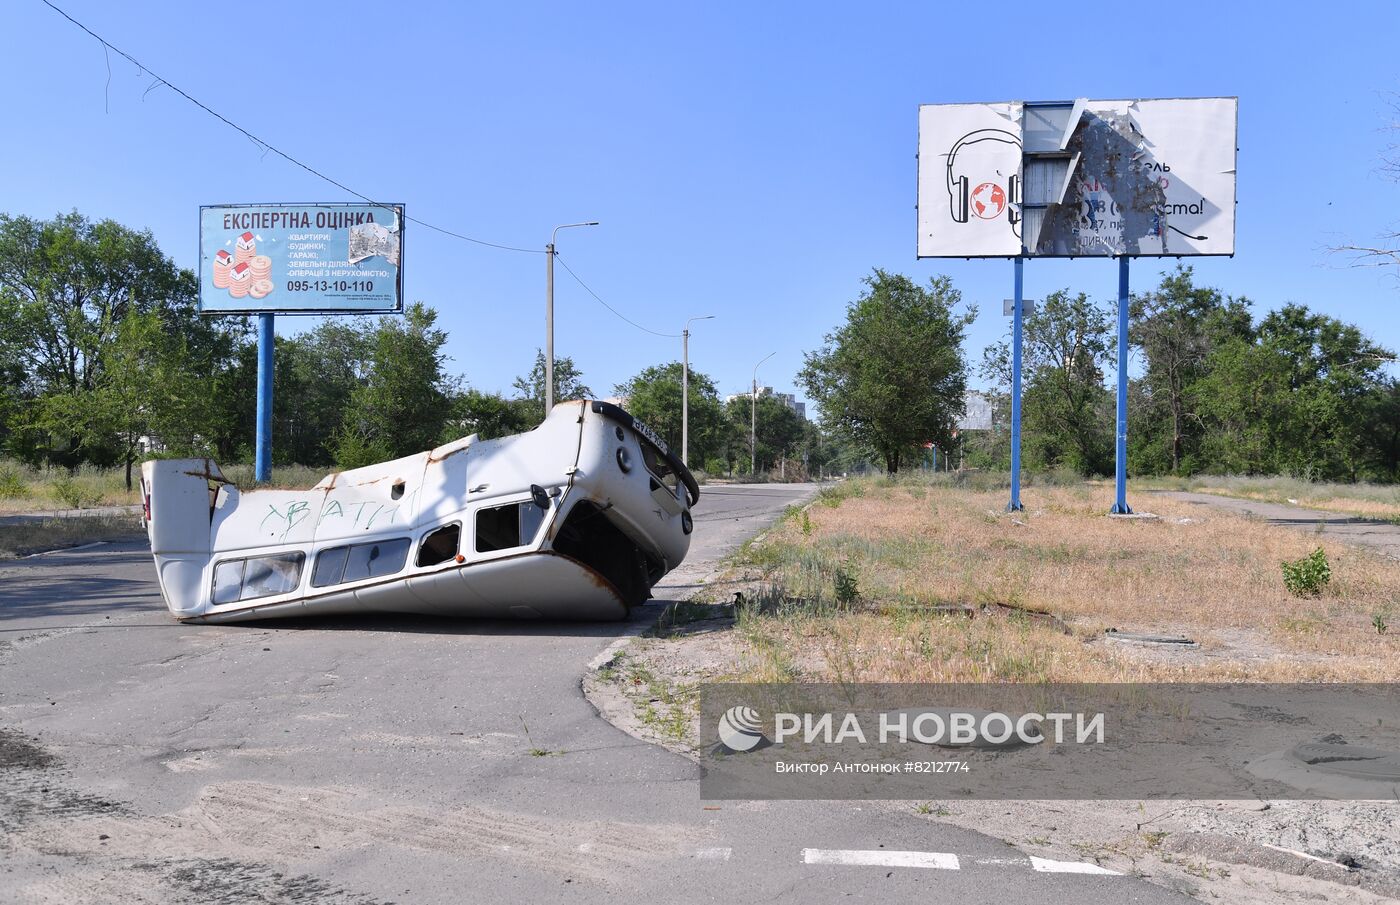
409 760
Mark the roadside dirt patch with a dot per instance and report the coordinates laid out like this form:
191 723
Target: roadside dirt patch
1241 852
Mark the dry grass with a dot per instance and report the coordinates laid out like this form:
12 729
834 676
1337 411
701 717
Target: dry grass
1380 501
919 544
58 533
26 489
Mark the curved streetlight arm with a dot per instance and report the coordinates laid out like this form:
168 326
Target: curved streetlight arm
554 235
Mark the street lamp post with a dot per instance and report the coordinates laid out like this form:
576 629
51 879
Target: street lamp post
549 315
753 418
685 388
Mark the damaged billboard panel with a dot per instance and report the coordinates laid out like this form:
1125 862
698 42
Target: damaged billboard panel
578 518
301 258
1141 178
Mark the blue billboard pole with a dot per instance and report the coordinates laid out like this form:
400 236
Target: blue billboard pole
1120 479
262 460
1017 314
267 259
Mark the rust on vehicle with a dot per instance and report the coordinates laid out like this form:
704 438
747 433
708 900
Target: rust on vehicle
594 577
208 470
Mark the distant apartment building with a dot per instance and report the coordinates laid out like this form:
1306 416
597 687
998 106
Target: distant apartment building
787 399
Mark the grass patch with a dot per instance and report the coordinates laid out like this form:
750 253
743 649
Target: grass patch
668 710
58 533
1378 501
878 587
26 489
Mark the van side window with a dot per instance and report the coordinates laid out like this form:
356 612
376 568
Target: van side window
360 561
330 564
258 576
504 527
439 546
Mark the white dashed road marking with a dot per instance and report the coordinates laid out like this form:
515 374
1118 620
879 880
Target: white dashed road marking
939 861
880 858
1045 865
713 854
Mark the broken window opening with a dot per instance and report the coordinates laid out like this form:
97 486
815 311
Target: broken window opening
504 527
439 546
659 467
590 537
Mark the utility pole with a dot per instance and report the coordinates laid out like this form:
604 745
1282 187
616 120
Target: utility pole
753 417
549 314
685 388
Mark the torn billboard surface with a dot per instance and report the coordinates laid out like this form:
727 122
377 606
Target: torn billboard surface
1141 178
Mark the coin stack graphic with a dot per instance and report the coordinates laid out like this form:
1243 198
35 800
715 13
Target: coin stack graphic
245 272
222 262
261 268
240 280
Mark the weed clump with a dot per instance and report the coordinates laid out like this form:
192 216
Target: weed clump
846 587
12 484
76 494
1308 576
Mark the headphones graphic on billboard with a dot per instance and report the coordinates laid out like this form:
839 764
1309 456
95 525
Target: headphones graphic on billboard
993 193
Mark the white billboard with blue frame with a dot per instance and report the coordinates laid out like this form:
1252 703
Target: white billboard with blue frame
301 258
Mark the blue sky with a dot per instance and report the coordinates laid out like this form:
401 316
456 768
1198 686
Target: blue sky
750 161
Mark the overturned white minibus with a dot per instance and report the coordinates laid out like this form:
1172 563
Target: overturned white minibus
578 518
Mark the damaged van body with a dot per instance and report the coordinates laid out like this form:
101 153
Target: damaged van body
578 518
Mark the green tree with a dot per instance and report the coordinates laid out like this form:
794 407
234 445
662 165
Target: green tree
316 377
1293 397
654 395
490 415
1067 411
568 381
1175 326
399 408
144 389
893 376
780 432
67 286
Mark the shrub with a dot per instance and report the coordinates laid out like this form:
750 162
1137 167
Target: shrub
847 590
76 494
1307 577
12 485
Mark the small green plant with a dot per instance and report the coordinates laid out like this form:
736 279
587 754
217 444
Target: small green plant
806 523
1307 577
12 486
76 494
847 589
1381 620
535 750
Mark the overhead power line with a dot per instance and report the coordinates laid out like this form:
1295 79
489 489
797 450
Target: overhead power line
159 80
600 301
268 147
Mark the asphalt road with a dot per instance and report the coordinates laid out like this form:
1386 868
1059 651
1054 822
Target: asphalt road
408 760
1382 536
